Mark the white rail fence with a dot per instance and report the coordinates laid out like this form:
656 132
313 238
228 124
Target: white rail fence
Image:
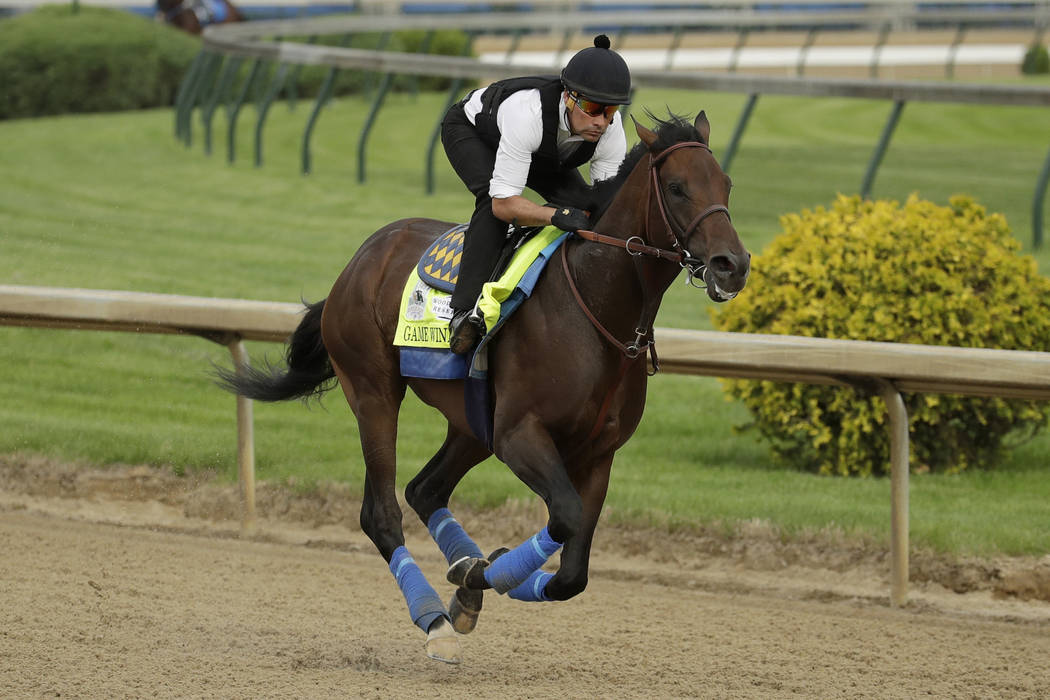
885 368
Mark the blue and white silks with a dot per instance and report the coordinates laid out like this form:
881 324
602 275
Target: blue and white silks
424 606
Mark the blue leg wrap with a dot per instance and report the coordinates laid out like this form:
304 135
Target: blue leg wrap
424 606
532 591
514 567
450 536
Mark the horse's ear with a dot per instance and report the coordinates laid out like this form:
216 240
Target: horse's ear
648 137
703 127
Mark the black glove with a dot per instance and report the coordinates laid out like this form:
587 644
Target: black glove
569 219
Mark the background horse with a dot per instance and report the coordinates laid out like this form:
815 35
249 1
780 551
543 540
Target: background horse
568 373
193 15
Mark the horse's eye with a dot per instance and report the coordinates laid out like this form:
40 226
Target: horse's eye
676 189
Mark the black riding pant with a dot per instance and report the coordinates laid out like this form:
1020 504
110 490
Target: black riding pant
474 160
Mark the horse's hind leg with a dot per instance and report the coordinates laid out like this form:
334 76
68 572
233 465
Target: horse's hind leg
429 494
375 403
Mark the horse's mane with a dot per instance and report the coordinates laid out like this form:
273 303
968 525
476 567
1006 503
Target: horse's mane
674 129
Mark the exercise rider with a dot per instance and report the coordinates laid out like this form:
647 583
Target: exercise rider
531 132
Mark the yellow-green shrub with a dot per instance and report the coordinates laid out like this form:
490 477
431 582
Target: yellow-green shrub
876 270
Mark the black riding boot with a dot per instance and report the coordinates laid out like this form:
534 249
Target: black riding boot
466 328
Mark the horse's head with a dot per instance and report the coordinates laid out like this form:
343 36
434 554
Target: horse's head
690 192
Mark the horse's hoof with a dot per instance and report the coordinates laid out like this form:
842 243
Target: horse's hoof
468 572
442 643
497 553
464 608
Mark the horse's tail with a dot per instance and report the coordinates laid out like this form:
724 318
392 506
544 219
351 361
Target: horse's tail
308 370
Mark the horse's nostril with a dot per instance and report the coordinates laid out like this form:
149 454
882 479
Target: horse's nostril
721 264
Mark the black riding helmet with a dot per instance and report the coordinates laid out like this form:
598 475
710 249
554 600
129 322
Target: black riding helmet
598 74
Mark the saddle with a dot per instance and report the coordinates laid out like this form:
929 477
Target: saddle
439 266
425 306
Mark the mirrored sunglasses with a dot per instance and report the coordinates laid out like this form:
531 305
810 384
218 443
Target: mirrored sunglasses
593 108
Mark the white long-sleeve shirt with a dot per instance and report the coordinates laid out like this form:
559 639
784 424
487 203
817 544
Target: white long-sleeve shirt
520 123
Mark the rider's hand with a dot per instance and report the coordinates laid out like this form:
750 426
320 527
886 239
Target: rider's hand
569 219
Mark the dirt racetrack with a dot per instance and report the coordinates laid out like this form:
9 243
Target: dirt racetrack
134 583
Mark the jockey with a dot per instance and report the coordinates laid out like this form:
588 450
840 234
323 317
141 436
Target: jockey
531 132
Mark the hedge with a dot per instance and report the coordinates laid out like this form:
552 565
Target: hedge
54 61
876 270
1036 60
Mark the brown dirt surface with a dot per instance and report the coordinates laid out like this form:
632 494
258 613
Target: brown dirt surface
134 582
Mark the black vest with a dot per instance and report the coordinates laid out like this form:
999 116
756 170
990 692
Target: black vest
545 159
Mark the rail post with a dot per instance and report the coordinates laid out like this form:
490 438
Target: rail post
738 130
676 41
1037 203
322 96
219 90
196 81
274 89
899 458
181 96
953 51
803 52
880 148
738 48
245 442
377 103
235 109
876 51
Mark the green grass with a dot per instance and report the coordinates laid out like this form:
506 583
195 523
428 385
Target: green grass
114 202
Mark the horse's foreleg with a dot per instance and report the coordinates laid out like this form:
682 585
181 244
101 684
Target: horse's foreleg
571 577
531 453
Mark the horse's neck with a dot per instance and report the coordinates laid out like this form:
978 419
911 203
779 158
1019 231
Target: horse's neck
623 290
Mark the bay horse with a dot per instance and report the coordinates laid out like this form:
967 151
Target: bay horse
568 373
193 15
